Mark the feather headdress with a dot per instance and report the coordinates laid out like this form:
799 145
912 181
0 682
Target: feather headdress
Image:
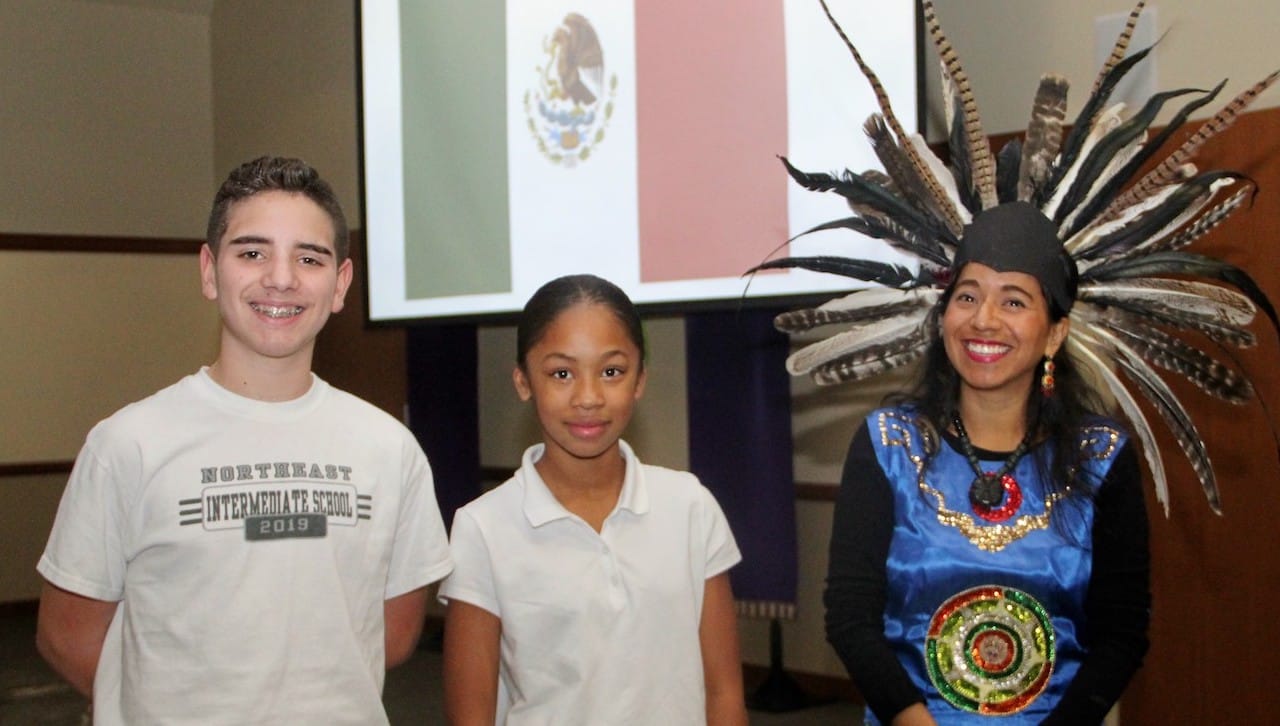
1125 233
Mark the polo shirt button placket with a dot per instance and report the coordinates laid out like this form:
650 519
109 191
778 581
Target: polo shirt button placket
617 595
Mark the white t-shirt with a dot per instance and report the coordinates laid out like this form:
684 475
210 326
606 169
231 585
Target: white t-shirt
597 628
251 546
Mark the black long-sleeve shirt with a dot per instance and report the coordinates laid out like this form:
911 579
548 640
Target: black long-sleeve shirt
1117 605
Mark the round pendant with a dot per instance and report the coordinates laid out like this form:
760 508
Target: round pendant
990 650
1008 490
985 491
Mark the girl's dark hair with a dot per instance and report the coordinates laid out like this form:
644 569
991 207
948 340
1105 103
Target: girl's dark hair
562 293
1057 419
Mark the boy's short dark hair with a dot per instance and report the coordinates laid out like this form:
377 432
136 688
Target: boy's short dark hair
276 173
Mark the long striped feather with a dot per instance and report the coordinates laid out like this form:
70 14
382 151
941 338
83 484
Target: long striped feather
1109 176
1081 344
1171 410
1193 297
868 304
1119 48
1173 354
1086 121
1214 311
978 147
962 167
862 343
1184 263
1044 134
863 366
1110 184
1168 170
882 98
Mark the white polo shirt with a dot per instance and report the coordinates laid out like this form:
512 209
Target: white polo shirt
597 628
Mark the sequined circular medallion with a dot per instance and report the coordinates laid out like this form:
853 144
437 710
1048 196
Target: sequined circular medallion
990 650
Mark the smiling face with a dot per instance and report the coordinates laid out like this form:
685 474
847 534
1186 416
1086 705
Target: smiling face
584 375
275 278
996 330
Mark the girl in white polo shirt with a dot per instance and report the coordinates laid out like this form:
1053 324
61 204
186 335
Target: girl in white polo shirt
590 588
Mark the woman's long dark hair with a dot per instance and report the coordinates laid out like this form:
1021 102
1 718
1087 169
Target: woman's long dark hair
1057 420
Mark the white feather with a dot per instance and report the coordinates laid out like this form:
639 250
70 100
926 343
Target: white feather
942 174
1078 343
1204 300
1084 239
1191 212
1170 408
948 95
857 337
1116 163
1107 120
881 295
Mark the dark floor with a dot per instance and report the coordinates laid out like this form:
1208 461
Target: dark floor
31 695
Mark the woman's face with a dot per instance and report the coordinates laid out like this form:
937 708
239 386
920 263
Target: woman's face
996 330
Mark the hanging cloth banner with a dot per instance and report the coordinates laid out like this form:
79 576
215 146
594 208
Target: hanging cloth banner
444 410
740 447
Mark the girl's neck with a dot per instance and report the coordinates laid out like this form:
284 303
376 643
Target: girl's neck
588 488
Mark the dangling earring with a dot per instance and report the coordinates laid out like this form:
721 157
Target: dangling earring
1046 380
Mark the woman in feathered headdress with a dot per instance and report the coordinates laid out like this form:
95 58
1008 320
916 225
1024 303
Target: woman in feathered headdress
989 515
989 550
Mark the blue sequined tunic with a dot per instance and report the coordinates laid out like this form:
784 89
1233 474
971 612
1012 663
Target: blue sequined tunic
984 615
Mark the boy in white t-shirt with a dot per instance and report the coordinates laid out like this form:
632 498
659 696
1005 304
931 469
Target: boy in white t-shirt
248 545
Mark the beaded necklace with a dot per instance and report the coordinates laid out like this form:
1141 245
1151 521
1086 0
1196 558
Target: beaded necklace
990 487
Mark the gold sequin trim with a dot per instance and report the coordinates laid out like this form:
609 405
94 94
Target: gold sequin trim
1099 440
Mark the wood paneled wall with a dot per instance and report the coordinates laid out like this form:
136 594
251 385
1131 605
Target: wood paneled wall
1216 580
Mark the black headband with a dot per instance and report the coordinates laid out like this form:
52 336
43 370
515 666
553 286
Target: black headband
1017 237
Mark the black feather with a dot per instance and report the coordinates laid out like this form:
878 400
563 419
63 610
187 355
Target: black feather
853 368
1154 220
795 321
861 191
1173 262
1084 122
889 230
1172 354
1125 174
1107 147
961 159
867 270
1008 163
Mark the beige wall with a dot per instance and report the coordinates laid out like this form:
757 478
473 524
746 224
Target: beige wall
105 129
1006 45
284 83
105 119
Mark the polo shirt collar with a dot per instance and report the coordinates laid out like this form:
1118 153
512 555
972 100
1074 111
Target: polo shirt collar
541 506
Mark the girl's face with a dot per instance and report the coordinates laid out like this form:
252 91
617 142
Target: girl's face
584 375
996 330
